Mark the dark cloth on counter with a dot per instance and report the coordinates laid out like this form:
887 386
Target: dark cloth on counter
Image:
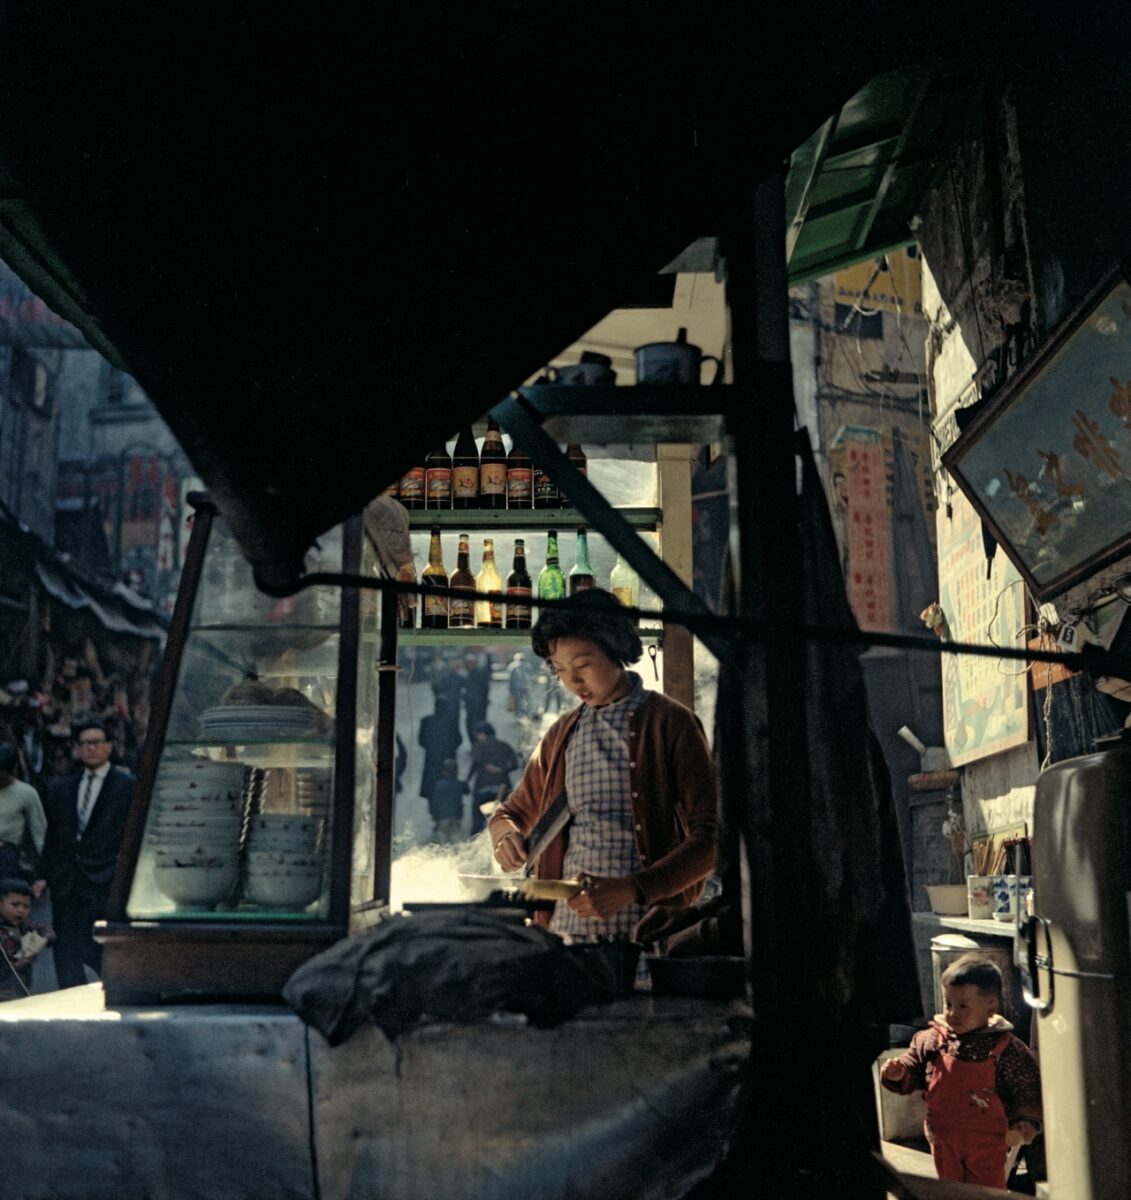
458 967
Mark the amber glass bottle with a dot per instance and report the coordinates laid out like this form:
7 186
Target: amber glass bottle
465 472
438 479
520 478
577 456
410 490
546 494
493 469
520 586
435 607
461 610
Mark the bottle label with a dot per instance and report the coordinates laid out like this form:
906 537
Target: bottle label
435 606
465 483
624 595
518 612
462 611
519 484
493 479
545 489
439 485
412 484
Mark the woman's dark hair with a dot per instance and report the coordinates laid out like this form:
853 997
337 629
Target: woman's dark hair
483 727
594 614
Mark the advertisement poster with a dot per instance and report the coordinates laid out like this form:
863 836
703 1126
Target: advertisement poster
985 700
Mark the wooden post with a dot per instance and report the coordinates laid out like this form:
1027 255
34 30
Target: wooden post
673 462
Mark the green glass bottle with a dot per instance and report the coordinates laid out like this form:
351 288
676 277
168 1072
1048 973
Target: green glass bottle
581 573
551 581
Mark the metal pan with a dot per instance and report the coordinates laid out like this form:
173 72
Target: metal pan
529 889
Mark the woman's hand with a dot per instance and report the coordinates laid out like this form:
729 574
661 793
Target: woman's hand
603 896
510 853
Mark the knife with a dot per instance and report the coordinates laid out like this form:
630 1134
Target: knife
546 828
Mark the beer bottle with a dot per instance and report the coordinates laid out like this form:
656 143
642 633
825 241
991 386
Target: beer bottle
546 494
465 472
488 612
520 478
581 573
410 491
438 479
461 610
624 583
576 455
493 469
551 581
434 575
518 585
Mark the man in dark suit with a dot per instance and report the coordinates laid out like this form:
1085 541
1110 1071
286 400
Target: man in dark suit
86 818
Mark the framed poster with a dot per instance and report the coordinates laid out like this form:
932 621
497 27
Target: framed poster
1047 463
985 700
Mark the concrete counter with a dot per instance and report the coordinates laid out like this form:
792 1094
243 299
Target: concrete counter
241 1101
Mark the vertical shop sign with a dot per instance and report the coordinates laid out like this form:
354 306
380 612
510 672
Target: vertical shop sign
862 513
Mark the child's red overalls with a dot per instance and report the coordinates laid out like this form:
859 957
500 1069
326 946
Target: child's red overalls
966 1122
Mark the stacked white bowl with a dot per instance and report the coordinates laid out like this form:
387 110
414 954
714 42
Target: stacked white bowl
193 831
312 792
284 861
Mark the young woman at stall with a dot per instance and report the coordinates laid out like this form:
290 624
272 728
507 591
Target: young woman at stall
637 773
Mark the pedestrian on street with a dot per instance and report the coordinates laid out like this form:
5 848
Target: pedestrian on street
22 819
492 761
86 818
476 692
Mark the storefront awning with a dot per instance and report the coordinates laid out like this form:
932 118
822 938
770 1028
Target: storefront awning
120 611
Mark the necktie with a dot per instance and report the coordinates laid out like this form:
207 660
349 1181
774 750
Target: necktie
85 801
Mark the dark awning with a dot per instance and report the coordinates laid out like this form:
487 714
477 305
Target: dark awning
322 239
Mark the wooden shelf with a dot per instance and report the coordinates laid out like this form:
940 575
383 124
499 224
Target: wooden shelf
987 928
634 418
482 635
485 520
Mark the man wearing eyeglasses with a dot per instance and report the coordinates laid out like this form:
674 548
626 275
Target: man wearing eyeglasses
86 818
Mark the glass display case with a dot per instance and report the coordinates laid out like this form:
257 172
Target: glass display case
252 838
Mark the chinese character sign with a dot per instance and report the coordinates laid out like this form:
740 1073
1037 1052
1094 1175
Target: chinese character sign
985 700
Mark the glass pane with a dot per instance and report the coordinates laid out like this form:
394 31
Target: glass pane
239 821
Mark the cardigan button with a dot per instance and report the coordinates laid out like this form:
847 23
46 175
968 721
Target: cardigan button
638 828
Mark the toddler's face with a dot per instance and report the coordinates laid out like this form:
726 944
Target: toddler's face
968 1008
14 908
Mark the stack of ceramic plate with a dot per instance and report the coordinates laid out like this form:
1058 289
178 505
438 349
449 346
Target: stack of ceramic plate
312 792
257 722
193 831
284 860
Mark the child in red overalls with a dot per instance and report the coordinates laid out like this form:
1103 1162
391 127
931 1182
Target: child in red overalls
980 1079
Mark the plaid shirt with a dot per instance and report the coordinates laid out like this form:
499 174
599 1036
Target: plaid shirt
601 840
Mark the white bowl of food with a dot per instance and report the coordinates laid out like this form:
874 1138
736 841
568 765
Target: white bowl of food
285 891
196 886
